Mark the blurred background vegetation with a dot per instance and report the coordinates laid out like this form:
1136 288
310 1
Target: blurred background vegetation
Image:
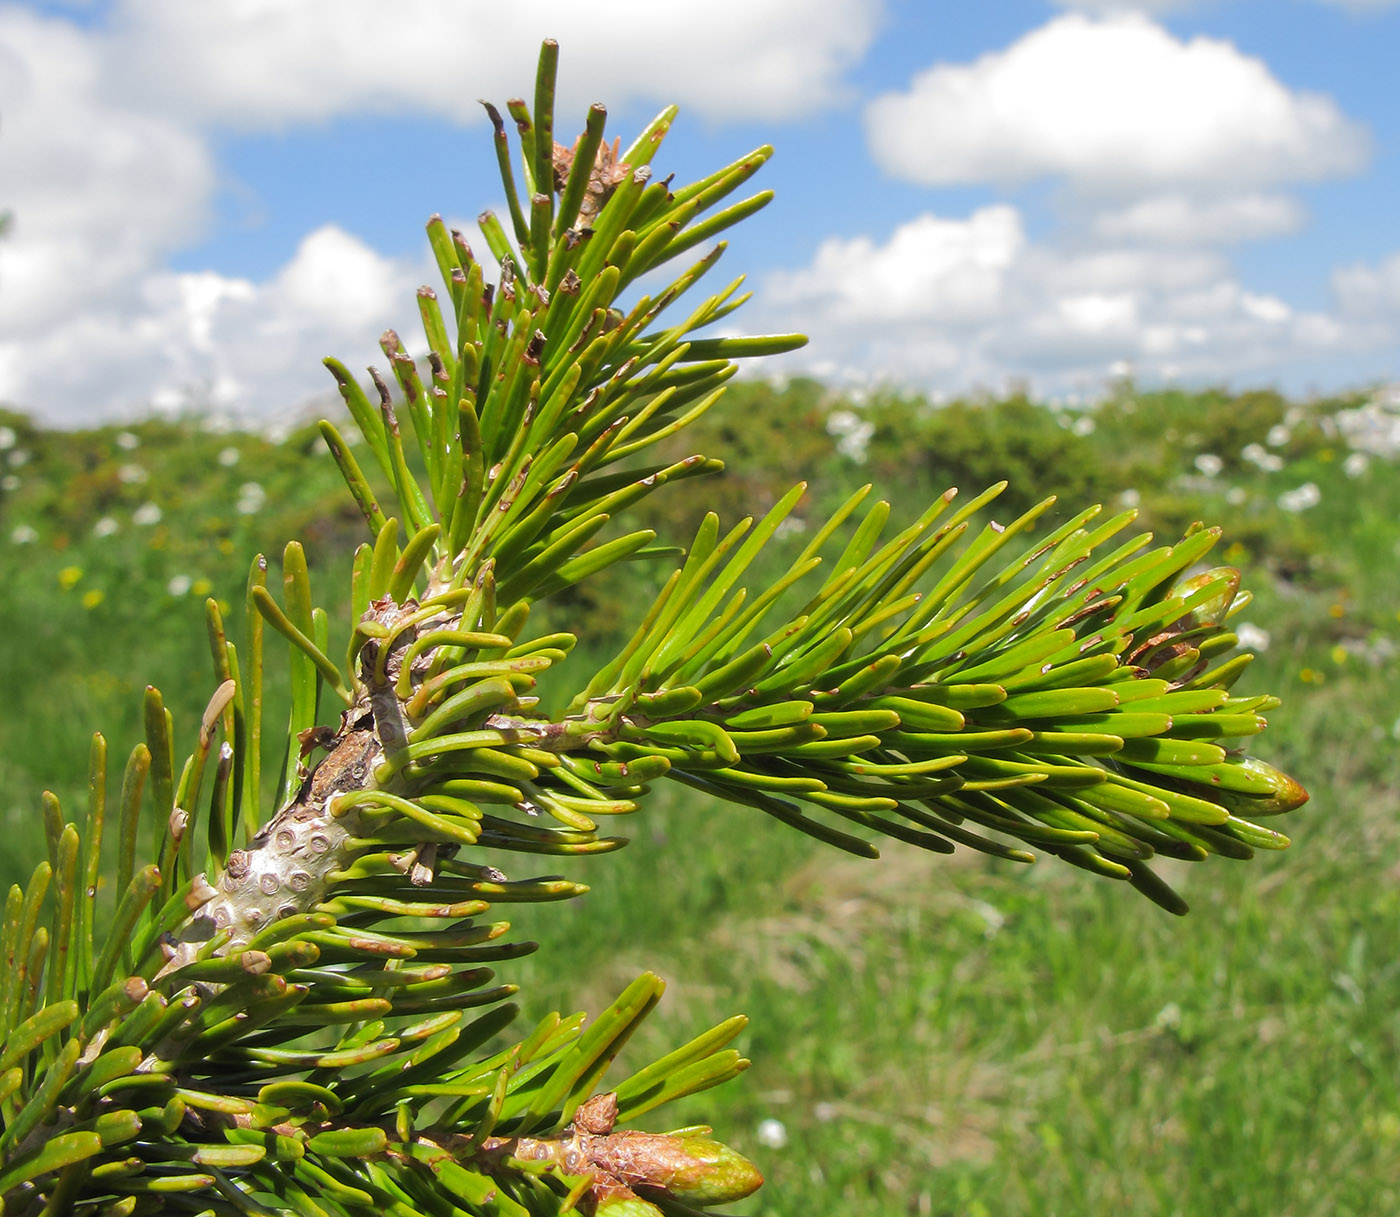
929 1035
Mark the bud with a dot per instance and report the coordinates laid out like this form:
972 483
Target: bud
692 1169
713 1174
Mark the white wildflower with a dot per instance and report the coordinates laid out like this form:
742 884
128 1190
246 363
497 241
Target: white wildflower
1375 651
1084 425
791 526
993 919
147 513
179 585
772 1134
1301 498
8 438
1169 1017
1278 436
1262 458
251 497
1356 464
132 475
1130 498
18 457
24 535
105 527
852 434
228 457
10 482
1252 637
1236 496
127 441
1373 427
1209 464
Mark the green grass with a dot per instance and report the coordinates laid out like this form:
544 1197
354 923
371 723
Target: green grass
935 1035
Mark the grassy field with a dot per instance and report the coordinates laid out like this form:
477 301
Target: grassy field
929 1035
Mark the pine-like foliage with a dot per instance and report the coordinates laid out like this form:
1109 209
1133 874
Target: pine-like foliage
297 1012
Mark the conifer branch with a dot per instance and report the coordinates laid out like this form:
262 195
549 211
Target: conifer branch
276 1031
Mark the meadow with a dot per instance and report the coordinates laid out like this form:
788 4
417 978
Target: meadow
929 1035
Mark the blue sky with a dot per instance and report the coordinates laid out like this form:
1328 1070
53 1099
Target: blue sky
207 198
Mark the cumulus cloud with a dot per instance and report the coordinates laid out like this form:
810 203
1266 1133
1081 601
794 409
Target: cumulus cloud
93 188
201 340
1171 150
1165 151
108 169
958 303
936 269
1180 219
255 63
1371 291
1118 105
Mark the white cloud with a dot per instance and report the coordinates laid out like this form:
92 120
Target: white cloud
338 277
1371 291
261 63
107 166
954 304
1111 106
1180 219
202 340
108 170
935 269
93 189
1167 151
99 196
1269 309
